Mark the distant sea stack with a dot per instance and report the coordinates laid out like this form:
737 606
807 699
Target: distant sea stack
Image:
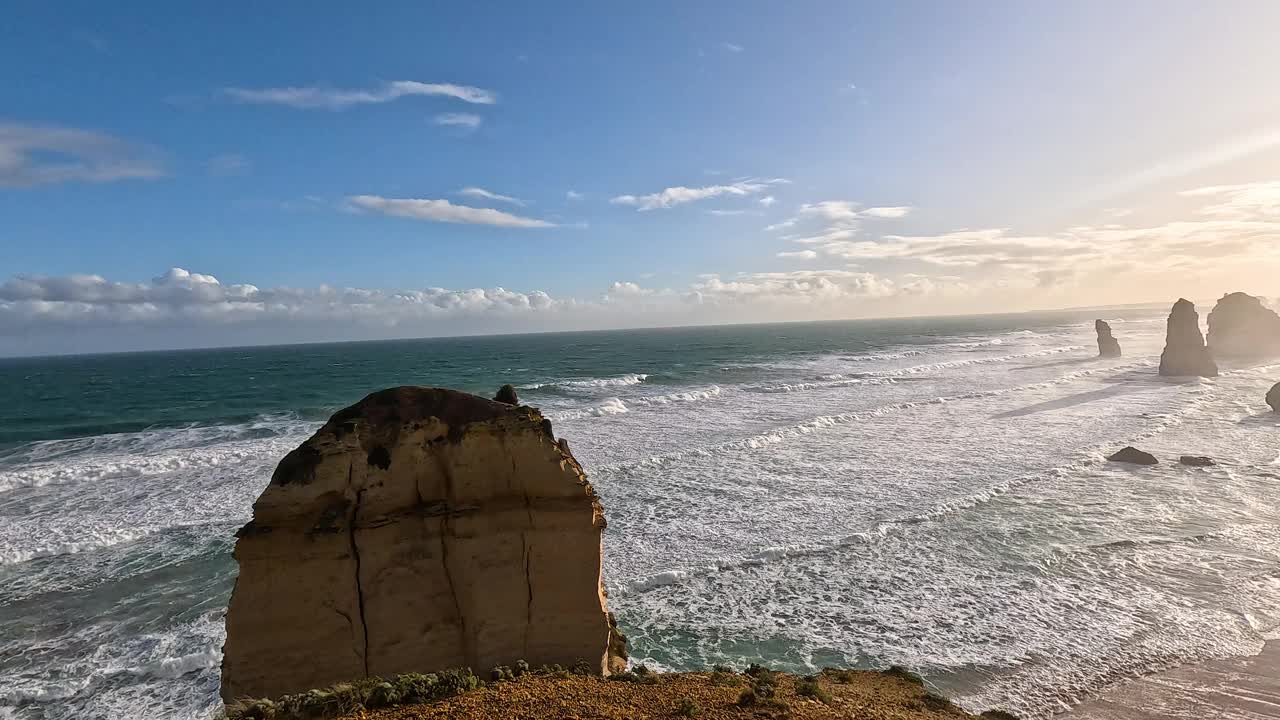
419 529
1184 351
1108 346
1241 326
1273 398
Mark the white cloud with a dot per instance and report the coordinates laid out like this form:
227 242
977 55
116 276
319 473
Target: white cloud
36 155
572 195
465 120
798 254
324 98
731 47
442 211
767 200
672 196
1240 201
725 213
886 212
783 225
228 164
476 192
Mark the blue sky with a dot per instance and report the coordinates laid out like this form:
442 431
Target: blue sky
908 157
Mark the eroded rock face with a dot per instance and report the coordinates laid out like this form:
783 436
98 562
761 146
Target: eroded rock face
1241 326
1273 398
1184 350
1108 346
419 529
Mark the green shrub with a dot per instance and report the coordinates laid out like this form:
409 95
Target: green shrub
900 672
522 668
810 688
725 679
383 694
688 708
501 672
722 669
582 667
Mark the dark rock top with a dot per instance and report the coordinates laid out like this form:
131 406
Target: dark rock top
507 394
1134 456
1108 346
1273 398
1241 326
1196 461
1184 351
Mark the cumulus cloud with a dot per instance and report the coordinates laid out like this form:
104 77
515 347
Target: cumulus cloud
672 196
471 121
324 98
39 155
442 211
476 192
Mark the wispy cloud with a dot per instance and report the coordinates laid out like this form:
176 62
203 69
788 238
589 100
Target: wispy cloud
672 196
228 164
442 211
466 120
36 155
324 98
1240 201
572 195
732 47
476 192
798 254
767 200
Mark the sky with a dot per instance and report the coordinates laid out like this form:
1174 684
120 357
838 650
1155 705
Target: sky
177 175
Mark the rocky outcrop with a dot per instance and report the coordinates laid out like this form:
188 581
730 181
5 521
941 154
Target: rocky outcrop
1273 398
1196 461
1184 351
1108 346
1134 456
1241 326
507 394
419 529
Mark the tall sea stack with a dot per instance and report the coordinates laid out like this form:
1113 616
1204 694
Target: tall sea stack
1108 346
1273 398
1241 326
419 529
1184 350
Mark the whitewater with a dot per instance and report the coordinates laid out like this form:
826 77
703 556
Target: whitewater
930 493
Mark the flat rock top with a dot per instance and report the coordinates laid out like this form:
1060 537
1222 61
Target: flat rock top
867 696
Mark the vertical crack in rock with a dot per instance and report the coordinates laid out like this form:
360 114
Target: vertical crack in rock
462 466
445 531
355 555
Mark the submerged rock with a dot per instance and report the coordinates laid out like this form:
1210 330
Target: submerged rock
1196 461
1184 351
1273 398
1134 456
419 529
1108 346
1241 326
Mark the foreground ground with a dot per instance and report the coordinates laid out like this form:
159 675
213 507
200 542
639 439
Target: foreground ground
709 696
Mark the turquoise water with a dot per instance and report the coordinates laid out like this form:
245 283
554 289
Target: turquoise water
926 492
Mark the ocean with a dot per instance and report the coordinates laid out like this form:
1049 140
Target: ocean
927 492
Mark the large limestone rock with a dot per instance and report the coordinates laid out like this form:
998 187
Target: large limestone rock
419 529
1273 397
1133 456
1241 326
1184 351
1108 346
